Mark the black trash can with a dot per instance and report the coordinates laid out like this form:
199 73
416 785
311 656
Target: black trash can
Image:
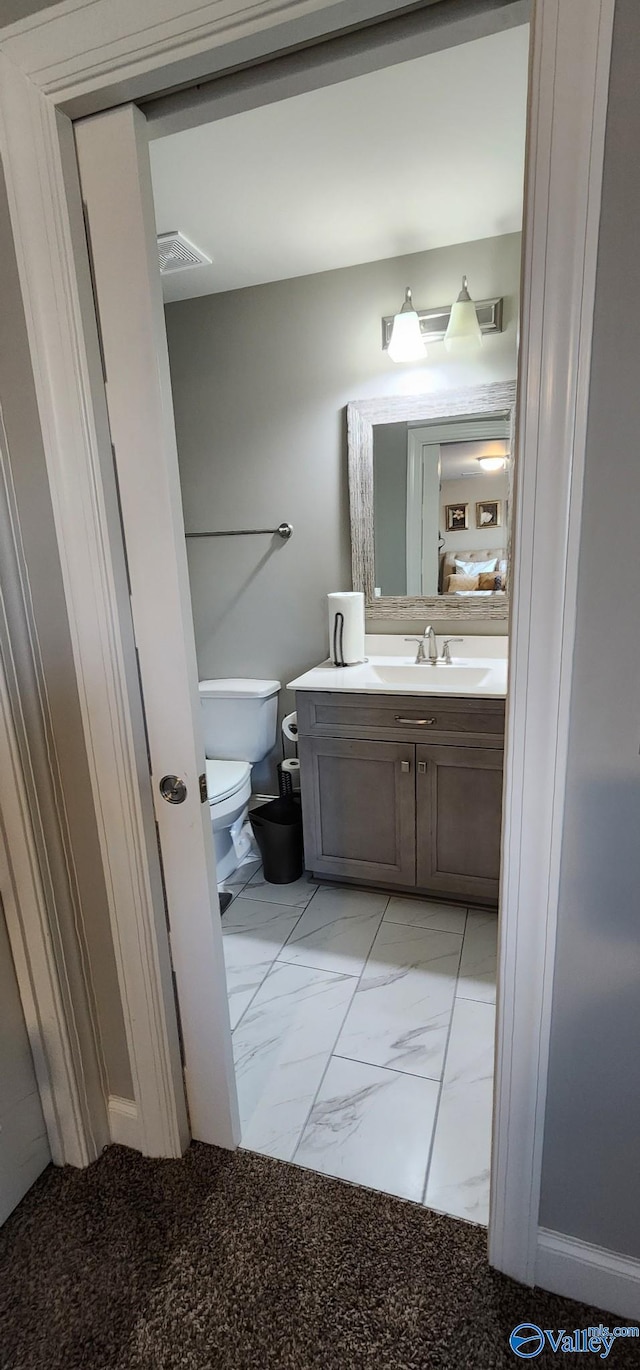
277 828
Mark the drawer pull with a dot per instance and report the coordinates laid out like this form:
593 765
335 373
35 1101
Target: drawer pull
416 722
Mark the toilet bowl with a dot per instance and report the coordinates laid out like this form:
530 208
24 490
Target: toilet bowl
228 792
239 724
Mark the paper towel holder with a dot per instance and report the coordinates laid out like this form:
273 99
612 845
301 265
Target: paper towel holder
338 642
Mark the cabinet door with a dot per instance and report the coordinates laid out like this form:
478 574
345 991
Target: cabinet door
459 820
358 801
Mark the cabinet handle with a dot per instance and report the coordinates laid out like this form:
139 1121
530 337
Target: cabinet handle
416 722
422 767
405 767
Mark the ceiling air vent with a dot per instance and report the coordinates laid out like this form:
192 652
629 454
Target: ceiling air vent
178 254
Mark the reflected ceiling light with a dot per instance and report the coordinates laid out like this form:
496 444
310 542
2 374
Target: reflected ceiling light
492 463
463 332
406 343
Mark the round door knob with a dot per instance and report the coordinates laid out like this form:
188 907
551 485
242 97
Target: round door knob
173 789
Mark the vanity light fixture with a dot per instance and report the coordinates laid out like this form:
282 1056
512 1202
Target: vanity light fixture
492 463
434 325
463 332
406 343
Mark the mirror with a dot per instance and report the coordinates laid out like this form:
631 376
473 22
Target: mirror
430 481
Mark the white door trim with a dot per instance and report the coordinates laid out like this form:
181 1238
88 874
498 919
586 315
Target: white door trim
571 53
37 879
581 1270
86 55
41 174
484 429
28 925
415 486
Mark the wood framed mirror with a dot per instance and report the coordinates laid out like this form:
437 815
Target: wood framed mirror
430 495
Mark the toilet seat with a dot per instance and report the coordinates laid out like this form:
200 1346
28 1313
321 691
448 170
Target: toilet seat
226 778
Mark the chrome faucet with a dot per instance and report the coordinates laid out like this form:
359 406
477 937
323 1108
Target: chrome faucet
428 640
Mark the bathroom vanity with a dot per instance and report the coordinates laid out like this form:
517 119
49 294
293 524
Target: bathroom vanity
401 759
401 770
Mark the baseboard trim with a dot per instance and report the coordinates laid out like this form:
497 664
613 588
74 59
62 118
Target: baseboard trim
580 1270
123 1122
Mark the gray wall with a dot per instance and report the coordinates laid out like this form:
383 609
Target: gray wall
592 1137
261 378
390 506
18 401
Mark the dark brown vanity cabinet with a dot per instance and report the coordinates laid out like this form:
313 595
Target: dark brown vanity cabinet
382 806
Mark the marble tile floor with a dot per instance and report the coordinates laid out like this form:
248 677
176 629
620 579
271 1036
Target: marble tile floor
363 1029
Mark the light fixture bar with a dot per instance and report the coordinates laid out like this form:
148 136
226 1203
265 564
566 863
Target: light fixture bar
433 322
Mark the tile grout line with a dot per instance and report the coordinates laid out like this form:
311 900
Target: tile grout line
270 968
375 1065
255 898
330 1057
436 1115
469 999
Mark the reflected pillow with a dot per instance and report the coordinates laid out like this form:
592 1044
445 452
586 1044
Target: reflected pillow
490 580
475 568
458 582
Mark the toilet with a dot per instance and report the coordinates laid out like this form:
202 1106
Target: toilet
239 719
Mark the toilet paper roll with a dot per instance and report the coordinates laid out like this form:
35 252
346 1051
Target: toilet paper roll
290 727
346 627
292 765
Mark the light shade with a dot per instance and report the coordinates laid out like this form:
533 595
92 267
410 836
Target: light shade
406 343
463 331
492 463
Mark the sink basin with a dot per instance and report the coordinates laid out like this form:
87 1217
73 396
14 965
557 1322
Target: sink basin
472 673
432 679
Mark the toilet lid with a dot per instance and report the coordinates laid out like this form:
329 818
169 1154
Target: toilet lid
225 777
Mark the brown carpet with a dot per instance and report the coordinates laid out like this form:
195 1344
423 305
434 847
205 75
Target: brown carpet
236 1262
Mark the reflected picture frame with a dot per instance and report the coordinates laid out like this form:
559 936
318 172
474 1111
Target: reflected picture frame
456 517
489 513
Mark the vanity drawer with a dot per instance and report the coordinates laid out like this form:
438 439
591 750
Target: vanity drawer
395 718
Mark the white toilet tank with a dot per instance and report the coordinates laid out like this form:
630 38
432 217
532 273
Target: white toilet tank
239 718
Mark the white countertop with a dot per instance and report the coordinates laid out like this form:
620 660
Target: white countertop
478 670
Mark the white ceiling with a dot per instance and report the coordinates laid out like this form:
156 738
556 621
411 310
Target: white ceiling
458 459
416 156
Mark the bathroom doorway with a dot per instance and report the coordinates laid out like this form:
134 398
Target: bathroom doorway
565 156
526 670
273 328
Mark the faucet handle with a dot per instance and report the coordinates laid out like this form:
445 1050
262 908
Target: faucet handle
446 648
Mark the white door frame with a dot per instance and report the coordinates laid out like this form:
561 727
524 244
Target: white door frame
28 925
485 430
81 57
37 885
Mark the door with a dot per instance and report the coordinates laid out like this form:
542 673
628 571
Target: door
115 175
459 820
359 809
24 1149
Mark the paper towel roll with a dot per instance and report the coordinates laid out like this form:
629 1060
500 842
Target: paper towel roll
346 627
290 727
